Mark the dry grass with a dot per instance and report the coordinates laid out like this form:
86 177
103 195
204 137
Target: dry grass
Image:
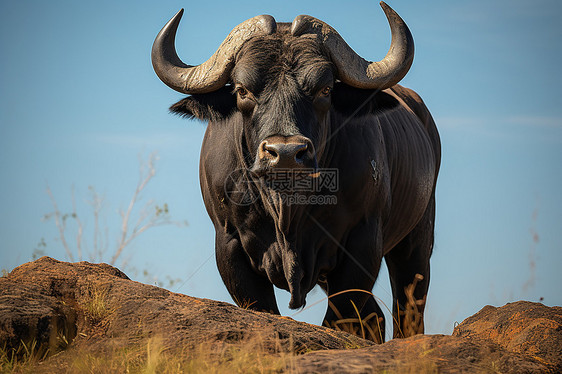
408 323
96 305
411 318
250 355
367 327
28 354
19 360
244 304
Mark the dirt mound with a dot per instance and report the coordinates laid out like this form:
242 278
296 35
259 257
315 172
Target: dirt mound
60 309
57 304
521 337
523 327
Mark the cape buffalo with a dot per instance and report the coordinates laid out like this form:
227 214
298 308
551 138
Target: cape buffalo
315 165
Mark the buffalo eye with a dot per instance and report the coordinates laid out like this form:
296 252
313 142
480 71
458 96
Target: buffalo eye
245 100
326 91
322 99
242 92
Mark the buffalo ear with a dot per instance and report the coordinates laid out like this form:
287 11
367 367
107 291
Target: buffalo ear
349 100
213 106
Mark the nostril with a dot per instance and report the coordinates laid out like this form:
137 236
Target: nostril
301 154
268 151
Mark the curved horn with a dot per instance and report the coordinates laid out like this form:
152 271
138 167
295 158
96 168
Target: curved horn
213 73
352 68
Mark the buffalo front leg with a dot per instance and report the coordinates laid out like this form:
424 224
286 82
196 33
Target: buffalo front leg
247 288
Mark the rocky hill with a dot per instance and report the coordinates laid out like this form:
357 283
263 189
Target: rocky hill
82 317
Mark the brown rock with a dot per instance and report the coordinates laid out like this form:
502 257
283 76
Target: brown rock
57 304
523 327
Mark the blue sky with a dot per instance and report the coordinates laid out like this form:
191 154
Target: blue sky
79 102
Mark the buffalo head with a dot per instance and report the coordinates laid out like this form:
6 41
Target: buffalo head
282 79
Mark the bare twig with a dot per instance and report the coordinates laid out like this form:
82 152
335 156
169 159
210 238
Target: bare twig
80 227
143 181
60 222
147 217
150 216
100 246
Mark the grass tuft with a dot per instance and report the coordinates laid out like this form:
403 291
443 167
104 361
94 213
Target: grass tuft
412 315
97 306
22 359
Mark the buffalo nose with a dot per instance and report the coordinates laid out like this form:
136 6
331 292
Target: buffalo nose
286 154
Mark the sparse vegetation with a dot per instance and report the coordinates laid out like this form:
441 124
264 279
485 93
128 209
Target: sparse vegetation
250 355
244 304
20 360
369 327
413 318
94 244
25 357
96 304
